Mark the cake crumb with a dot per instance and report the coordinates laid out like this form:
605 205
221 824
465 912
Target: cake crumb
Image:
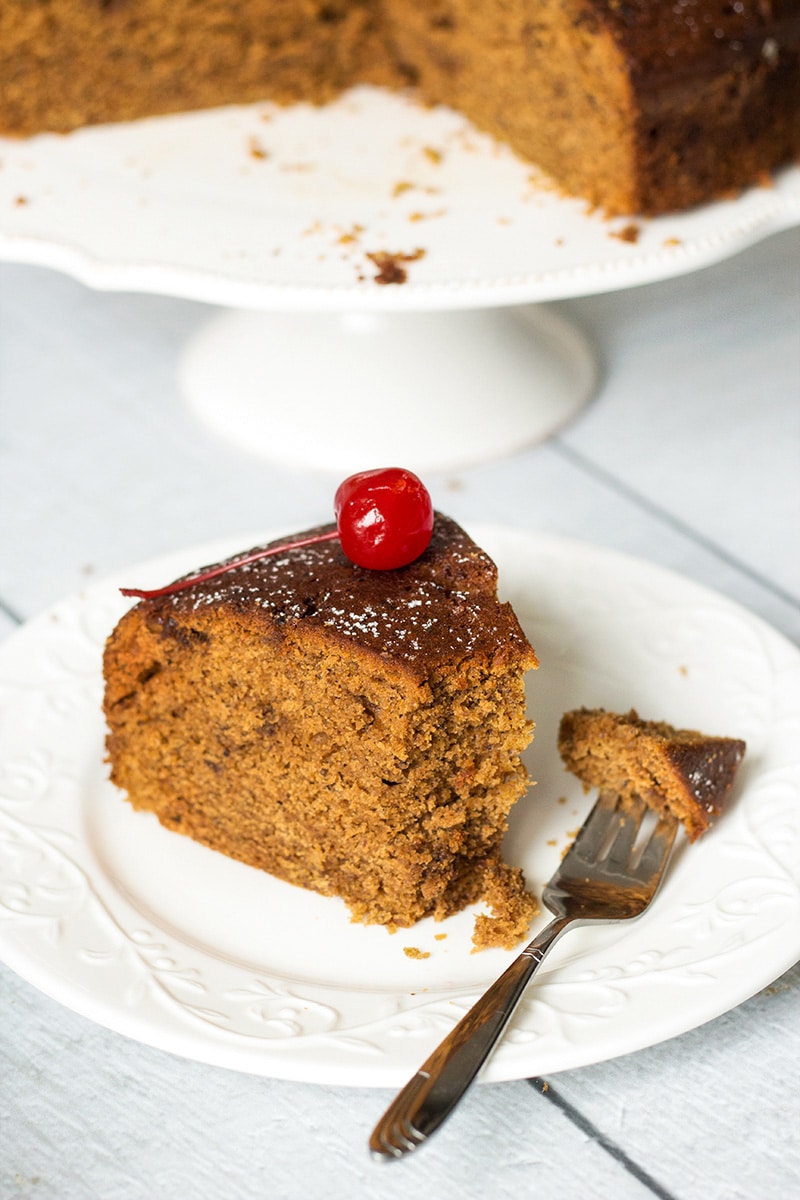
415 952
256 150
432 154
390 266
439 937
512 909
350 235
628 233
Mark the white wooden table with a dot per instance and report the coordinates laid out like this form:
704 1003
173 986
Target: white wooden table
688 457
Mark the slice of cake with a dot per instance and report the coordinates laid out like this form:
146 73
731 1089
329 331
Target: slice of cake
685 772
356 732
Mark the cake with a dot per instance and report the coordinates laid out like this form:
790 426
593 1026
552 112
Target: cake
640 106
355 732
681 771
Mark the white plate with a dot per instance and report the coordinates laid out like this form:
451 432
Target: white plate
279 208
161 939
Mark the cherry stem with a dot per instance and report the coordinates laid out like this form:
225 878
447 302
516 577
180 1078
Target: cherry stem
183 584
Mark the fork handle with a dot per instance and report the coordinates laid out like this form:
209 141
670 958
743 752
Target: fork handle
431 1095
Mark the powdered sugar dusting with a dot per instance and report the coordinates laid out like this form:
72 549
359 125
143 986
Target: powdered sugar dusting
442 606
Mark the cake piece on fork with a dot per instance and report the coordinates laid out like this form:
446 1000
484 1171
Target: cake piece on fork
681 771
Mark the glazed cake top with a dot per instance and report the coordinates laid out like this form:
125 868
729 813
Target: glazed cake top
665 41
441 608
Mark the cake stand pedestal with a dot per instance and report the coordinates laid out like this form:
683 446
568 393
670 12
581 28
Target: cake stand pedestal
430 390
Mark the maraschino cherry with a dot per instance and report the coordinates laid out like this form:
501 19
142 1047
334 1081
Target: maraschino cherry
384 520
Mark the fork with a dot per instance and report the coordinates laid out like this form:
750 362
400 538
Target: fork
611 873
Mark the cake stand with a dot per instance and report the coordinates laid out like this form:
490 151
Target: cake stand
380 270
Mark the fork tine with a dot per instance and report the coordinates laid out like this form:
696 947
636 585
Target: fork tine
656 853
631 816
595 829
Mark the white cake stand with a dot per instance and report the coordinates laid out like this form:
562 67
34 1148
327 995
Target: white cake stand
380 270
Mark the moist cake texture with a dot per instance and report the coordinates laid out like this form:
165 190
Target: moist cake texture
644 106
682 771
351 731
640 106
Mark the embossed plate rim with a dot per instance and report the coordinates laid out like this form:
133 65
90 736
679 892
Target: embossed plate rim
720 931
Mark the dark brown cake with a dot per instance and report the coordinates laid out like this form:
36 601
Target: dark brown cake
68 63
641 106
679 770
638 105
355 732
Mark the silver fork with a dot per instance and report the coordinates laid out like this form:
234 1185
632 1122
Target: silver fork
608 875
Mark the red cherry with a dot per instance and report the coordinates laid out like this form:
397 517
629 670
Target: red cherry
384 517
384 520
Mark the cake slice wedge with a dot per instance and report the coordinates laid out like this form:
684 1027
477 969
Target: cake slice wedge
356 732
681 771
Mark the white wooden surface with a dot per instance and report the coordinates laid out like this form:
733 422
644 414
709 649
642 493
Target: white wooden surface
689 457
